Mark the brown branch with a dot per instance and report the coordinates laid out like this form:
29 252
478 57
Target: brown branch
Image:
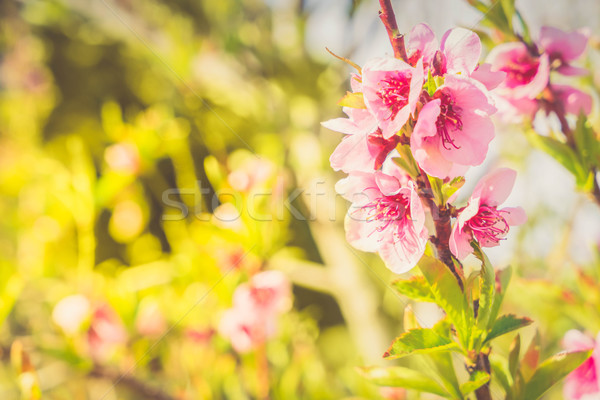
483 364
141 388
387 16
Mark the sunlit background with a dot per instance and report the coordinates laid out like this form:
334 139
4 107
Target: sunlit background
154 154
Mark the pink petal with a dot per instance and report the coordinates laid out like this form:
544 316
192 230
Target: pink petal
569 70
472 141
491 79
388 185
574 100
417 213
495 187
567 46
421 39
352 154
361 233
462 49
460 243
402 255
575 340
425 125
416 84
514 215
359 188
470 94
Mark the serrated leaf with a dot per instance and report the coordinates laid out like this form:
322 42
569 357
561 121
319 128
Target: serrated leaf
448 295
552 371
476 380
419 341
562 153
403 377
531 357
507 323
415 288
353 100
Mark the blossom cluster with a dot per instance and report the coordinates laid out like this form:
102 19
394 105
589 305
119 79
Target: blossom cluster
438 103
256 306
528 67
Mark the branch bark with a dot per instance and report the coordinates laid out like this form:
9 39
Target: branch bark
387 16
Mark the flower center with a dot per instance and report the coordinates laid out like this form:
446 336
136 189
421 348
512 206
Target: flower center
520 71
449 119
488 226
388 209
394 92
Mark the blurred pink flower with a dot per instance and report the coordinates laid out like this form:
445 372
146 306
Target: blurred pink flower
106 332
453 128
150 320
386 217
574 100
526 74
123 157
251 174
256 306
268 292
584 382
564 47
481 219
391 90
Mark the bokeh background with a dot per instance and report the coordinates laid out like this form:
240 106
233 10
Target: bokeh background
155 153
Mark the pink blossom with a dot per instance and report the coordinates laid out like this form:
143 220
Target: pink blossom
526 74
386 217
106 332
364 148
391 90
453 130
245 330
574 100
267 292
458 52
421 43
584 382
256 306
564 47
481 219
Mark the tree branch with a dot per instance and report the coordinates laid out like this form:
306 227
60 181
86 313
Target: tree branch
387 16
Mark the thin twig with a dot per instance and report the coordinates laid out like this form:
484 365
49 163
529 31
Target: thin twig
387 16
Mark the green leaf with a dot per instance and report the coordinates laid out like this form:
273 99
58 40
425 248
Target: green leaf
353 100
586 142
487 288
419 341
442 365
415 288
513 356
436 188
476 380
531 357
552 371
508 6
448 295
503 278
430 85
448 189
407 161
507 323
403 377
501 376
562 153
